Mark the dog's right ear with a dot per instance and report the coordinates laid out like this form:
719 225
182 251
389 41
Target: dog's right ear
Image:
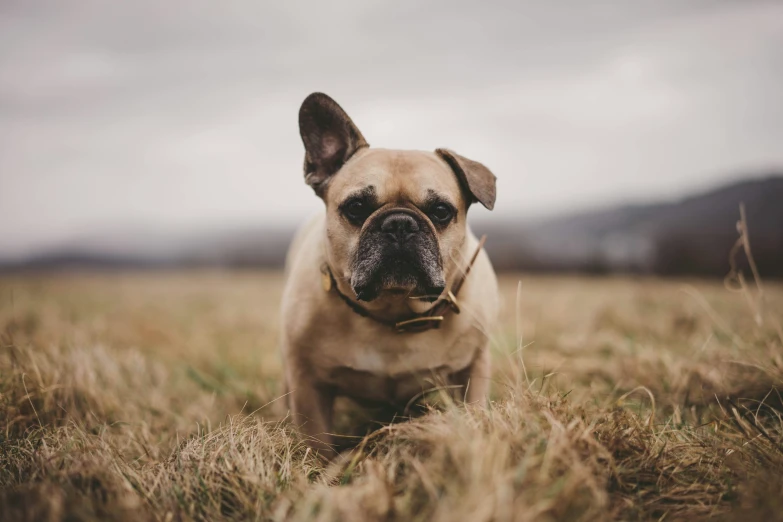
330 139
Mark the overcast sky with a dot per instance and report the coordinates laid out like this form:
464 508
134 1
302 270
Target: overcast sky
183 114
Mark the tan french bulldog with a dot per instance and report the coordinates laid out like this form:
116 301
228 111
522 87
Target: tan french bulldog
388 292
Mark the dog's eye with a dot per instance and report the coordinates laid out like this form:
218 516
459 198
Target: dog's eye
356 211
441 213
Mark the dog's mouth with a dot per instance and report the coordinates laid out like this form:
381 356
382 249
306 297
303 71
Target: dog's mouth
398 255
396 273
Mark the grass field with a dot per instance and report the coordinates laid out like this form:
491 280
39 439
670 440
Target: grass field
153 396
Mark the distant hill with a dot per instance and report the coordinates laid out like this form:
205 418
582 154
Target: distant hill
147 249
689 236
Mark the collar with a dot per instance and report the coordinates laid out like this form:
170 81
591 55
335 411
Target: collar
415 323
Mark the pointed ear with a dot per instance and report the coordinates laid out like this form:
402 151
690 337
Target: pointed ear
475 177
330 139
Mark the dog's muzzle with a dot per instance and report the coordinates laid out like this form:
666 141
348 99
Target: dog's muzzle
398 249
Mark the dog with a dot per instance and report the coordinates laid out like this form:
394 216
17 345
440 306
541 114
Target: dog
388 292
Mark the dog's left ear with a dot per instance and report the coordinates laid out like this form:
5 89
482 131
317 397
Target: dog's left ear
329 136
475 177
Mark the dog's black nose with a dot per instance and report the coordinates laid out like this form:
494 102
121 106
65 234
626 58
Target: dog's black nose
399 226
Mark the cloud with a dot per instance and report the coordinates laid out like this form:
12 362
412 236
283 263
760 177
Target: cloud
184 113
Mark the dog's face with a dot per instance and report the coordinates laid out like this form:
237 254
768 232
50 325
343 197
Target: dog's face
395 219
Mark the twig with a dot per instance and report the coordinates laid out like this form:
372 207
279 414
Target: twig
735 275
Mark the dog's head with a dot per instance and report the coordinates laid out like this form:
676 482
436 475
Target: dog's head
395 219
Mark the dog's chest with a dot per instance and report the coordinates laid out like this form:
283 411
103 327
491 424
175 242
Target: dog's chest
381 387
396 367
405 353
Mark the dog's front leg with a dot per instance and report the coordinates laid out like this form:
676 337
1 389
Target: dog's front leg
311 409
475 378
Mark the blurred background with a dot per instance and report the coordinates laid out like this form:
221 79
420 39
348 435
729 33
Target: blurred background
624 135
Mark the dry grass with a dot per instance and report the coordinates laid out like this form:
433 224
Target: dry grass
153 397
